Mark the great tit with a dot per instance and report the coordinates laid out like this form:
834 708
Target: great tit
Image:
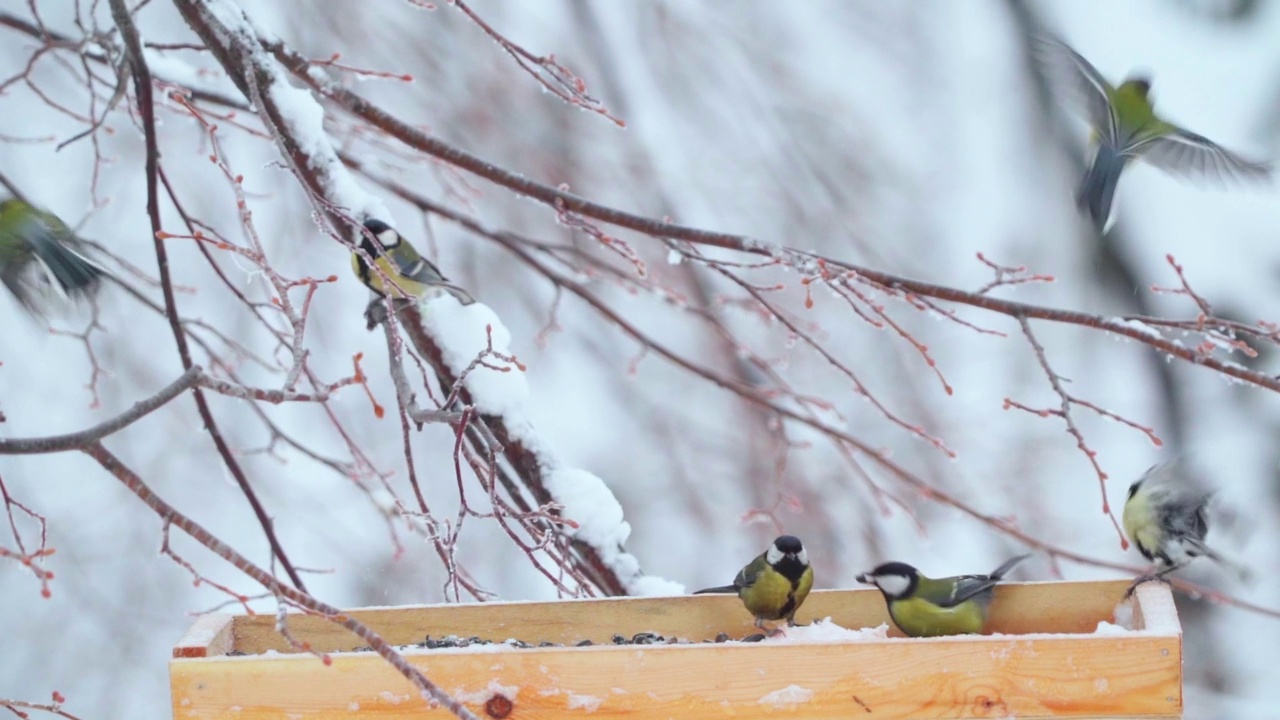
411 275
775 584
39 251
925 607
1165 517
1126 127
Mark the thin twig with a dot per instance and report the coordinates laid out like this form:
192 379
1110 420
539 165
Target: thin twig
78 440
146 108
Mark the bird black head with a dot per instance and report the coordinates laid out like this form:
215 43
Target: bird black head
1140 82
376 226
787 549
789 544
1134 487
894 579
787 555
1157 473
384 234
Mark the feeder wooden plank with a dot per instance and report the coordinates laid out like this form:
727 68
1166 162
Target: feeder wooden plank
210 636
979 677
1124 675
1074 607
1155 610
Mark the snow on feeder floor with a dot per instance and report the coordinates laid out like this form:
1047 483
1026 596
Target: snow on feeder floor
1058 649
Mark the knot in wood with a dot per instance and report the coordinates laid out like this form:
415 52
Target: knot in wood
499 706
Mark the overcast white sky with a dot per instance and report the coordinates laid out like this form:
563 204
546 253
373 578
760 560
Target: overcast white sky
907 137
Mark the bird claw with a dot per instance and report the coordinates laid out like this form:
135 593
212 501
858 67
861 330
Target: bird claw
375 313
1145 579
769 631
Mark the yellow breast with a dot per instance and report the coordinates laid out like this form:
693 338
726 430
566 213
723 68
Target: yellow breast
375 282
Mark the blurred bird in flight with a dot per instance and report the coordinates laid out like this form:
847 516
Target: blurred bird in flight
39 253
1125 127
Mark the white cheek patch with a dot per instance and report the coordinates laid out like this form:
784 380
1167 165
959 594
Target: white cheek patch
389 238
892 584
803 556
773 556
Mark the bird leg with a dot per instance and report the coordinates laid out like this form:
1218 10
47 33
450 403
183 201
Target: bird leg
769 631
1157 575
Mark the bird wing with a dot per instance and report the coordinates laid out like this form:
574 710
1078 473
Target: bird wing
44 254
745 578
1182 514
1189 155
748 575
967 586
415 267
60 254
15 277
1073 76
949 592
412 265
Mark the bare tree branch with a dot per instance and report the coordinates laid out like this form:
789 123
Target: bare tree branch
296 597
146 107
78 440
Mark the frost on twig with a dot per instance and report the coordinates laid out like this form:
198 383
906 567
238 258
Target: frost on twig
296 121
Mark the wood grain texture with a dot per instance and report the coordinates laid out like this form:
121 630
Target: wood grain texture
1036 676
1018 608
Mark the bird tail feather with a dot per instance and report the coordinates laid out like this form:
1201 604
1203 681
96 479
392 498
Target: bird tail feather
1098 189
463 296
74 273
1240 570
721 589
1009 564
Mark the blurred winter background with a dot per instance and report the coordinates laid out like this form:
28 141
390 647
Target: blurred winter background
903 136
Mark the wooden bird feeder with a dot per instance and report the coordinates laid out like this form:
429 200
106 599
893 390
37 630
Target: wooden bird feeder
1047 661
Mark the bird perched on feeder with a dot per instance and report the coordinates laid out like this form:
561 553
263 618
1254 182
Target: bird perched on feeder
1126 127
926 607
404 273
775 584
1165 517
39 252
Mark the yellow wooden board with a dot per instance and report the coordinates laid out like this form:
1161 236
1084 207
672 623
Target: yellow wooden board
1067 675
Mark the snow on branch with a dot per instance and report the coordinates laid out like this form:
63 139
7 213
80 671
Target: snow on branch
845 278
811 265
295 120
473 344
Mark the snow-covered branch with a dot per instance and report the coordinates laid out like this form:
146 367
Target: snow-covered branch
296 122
